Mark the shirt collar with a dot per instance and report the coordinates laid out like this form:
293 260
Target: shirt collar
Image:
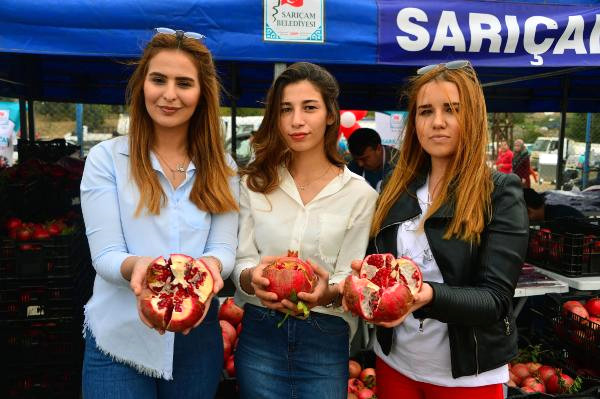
288 185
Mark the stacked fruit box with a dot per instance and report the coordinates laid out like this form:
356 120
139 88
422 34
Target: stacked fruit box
541 371
567 246
44 283
571 326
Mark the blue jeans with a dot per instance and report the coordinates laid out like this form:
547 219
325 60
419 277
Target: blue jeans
197 368
302 359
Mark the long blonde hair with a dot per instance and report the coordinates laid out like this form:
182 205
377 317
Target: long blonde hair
211 191
467 184
270 149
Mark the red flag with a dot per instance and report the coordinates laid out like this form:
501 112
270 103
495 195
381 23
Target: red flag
293 3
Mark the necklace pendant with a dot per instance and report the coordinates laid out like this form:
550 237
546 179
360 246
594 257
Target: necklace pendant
180 168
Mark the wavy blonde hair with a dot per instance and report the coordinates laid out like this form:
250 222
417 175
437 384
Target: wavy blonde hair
270 148
467 184
211 191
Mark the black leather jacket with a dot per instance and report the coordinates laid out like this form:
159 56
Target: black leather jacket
479 280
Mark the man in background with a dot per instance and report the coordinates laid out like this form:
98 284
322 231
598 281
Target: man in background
538 210
370 158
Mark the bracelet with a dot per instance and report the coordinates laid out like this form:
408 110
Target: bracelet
336 302
219 264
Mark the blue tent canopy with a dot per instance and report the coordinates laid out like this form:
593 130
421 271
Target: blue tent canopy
77 50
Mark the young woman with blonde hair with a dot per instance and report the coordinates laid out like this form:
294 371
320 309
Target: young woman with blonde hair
466 227
166 188
298 195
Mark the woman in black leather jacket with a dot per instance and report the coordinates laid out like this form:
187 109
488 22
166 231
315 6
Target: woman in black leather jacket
466 227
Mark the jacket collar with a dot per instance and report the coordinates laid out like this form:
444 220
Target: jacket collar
407 206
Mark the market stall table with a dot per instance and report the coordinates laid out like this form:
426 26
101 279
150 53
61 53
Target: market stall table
532 282
589 283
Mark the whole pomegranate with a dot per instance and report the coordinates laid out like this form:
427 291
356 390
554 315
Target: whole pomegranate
228 331
560 383
176 292
354 368
288 276
231 312
593 307
384 289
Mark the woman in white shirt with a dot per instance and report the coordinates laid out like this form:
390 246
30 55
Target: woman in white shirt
167 188
298 195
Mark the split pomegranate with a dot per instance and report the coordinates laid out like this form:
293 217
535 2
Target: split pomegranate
288 276
384 289
176 292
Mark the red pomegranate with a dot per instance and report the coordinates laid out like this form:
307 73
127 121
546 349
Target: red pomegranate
559 383
228 331
367 376
366 394
354 368
520 371
176 292
355 385
593 307
384 289
288 276
230 366
534 383
231 312
545 372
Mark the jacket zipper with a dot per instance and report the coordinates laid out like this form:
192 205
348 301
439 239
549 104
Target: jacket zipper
476 352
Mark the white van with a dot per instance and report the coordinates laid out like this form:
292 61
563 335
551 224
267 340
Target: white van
549 145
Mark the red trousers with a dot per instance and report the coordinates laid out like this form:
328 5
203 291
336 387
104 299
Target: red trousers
392 385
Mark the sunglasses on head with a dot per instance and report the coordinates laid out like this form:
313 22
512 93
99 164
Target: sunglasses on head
457 64
179 34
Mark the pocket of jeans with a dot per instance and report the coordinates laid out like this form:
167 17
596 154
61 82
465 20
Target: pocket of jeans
255 313
331 325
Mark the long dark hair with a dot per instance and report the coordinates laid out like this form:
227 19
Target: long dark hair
270 149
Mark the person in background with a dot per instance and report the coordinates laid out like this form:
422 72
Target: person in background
370 158
297 195
520 163
166 188
466 227
538 210
505 158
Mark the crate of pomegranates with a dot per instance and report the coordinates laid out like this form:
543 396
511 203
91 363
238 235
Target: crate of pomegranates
575 320
542 373
567 246
33 250
42 342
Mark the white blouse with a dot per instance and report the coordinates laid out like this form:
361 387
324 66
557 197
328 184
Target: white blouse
331 230
424 355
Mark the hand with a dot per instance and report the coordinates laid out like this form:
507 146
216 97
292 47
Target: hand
421 298
214 267
321 294
259 285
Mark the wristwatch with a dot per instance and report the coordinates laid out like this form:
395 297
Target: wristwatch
337 300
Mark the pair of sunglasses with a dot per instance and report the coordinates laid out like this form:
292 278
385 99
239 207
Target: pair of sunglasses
457 64
179 34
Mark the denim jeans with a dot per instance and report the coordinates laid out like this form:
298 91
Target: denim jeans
302 359
197 368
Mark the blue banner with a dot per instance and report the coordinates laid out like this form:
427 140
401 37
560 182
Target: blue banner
488 33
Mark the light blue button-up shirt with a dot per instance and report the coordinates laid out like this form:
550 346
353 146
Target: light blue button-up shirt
109 198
